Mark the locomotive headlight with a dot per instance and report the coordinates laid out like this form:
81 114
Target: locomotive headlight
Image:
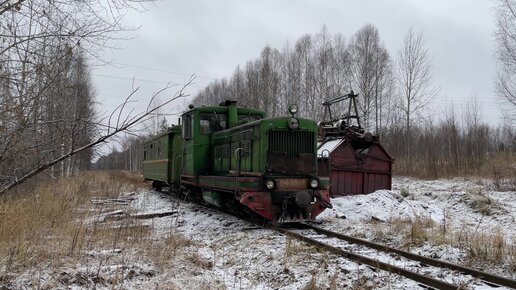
293 123
270 184
292 109
314 183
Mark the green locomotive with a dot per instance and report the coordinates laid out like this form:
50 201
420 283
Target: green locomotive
235 157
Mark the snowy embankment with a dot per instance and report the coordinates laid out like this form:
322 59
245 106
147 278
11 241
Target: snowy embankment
458 203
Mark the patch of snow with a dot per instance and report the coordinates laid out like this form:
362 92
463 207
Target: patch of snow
381 206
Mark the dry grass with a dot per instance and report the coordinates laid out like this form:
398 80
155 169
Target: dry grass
511 257
293 247
55 224
486 248
362 283
480 202
334 281
481 249
405 192
501 166
414 231
312 284
196 259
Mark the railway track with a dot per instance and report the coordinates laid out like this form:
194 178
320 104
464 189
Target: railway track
319 237
323 234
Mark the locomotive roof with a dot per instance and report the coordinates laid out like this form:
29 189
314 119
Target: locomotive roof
224 108
174 128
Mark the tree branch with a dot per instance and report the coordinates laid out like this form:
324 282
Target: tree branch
131 121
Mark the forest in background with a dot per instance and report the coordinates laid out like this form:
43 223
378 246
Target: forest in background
48 122
46 95
395 101
396 95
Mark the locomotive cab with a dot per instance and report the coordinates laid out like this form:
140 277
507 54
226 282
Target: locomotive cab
200 124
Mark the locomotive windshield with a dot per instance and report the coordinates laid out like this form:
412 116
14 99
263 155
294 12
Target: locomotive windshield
249 117
212 122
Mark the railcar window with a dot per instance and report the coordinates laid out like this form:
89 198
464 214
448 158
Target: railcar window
212 122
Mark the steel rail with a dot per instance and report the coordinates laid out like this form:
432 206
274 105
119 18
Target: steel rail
429 281
496 279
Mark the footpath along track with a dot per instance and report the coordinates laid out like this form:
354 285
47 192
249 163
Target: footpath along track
487 278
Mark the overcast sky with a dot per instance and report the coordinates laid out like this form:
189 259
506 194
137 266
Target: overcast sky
210 38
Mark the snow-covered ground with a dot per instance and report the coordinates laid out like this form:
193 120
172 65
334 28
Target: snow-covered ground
456 202
227 253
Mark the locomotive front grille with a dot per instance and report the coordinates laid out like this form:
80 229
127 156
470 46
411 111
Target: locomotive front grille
291 142
291 152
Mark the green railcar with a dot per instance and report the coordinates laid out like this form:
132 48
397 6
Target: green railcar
235 157
162 158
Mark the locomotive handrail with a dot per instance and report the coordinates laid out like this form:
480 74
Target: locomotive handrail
245 173
237 156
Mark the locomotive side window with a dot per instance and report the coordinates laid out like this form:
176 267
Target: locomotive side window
212 122
187 126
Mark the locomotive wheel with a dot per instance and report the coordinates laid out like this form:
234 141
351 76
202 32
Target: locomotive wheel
157 185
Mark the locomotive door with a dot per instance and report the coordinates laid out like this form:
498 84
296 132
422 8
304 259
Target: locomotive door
175 157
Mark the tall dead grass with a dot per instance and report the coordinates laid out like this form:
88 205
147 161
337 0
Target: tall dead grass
57 223
500 166
481 249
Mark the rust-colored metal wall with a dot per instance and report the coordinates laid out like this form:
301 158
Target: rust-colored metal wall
358 171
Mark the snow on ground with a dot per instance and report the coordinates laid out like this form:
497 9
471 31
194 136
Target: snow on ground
244 257
228 253
443 201
461 206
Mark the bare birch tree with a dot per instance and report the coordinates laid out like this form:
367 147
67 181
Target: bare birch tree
46 98
341 77
506 51
269 80
315 69
122 119
415 81
370 67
